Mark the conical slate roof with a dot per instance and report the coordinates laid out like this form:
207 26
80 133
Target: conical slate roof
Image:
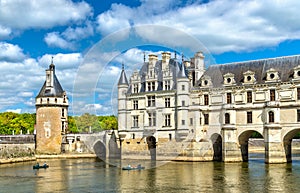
123 78
55 91
52 91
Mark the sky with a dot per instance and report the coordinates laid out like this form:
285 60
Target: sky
90 40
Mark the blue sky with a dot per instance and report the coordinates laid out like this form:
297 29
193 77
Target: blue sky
90 39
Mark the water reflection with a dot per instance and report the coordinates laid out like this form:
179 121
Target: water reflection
90 175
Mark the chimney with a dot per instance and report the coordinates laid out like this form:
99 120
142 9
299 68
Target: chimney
152 60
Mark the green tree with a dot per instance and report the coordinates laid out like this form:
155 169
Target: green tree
87 121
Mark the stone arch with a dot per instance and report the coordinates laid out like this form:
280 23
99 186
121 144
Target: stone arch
216 140
100 149
287 142
151 141
243 139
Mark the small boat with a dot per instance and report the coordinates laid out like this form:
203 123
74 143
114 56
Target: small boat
129 167
38 166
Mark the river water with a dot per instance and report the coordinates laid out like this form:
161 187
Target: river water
93 175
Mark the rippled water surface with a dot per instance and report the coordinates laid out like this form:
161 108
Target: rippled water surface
90 175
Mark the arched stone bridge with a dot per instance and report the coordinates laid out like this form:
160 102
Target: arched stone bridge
104 144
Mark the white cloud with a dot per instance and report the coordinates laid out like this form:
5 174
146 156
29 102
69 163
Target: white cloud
78 33
10 52
4 32
221 25
14 110
24 14
54 39
61 61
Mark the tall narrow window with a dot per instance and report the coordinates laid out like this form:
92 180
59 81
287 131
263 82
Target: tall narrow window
183 103
63 112
182 87
249 117
298 93
249 97
152 118
151 101
271 117
206 99
191 121
182 122
167 120
135 104
135 121
227 118
298 115
272 95
167 85
228 98
206 119
135 88
167 102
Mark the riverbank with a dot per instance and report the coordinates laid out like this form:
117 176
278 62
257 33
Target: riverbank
37 157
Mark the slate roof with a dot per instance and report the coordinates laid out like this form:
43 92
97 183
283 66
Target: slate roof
55 91
174 66
123 78
284 65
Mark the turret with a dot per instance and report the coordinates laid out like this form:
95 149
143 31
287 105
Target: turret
122 90
51 114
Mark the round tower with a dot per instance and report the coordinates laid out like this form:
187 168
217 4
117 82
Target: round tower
122 90
51 115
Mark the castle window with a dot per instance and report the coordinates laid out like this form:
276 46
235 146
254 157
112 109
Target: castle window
249 97
41 100
182 122
298 93
133 136
206 119
152 118
272 76
228 80
167 102
151 101
183 103
272 95
249 117
63 112
191 121
135 104
167 85
135 121
227 118
228 98
206 99
167 120
248 78
135 88
170 136
182 87
151 86
271 117
205 82
298 73
48 100
298 115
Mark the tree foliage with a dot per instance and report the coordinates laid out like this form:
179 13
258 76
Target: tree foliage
16 123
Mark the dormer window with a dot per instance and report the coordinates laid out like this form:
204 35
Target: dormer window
249 77
297 72
229 79
205 81
272 75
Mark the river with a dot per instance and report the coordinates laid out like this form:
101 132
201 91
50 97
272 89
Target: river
93 175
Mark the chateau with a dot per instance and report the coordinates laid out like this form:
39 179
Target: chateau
172 109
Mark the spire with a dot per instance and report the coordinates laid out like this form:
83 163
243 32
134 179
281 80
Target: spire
52 66
181 73
123 78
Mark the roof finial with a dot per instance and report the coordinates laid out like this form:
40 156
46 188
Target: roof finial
175 55
182 57
122 66
144 56
52 59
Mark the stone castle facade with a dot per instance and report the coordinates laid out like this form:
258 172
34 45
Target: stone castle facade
171 108
51 115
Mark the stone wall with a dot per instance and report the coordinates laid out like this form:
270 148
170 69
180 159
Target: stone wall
17 150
